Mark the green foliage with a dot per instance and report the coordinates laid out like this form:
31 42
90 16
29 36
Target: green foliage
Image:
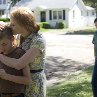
44 25
59 25
92 3
40 24
83 32
14 2
43 30
5 19
75 85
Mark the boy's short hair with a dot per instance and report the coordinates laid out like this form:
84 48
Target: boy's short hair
95 20
6 32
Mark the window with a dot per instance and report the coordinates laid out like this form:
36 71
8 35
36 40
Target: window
87 13
81 13
73 14
93 13
1 12
59 14
0 1
54 15
4 1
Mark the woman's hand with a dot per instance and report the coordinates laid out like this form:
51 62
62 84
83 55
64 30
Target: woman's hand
2 73
2 25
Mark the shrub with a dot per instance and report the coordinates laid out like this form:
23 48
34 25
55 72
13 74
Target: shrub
40 24
59 25
5 19
46 25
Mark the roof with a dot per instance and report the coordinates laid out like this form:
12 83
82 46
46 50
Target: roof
48 4
90 8
51 4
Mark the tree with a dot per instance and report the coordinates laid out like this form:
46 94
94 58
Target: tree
92 3
14 2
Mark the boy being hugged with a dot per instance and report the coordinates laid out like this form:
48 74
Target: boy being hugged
12 81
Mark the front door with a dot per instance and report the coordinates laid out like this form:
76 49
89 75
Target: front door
43 16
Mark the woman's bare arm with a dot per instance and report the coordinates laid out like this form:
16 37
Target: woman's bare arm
25 79
20 63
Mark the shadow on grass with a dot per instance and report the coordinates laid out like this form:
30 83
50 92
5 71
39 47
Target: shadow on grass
59 67
74 88
81 32
89 70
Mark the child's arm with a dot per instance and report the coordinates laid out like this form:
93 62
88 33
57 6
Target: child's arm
25 79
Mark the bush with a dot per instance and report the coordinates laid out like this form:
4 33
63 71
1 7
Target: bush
46 25
59 25
5 19
40 24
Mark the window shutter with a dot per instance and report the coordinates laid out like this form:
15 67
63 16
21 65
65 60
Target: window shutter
50 15
63 14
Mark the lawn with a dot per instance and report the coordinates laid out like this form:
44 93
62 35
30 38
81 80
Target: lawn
70 31
84 31
76 85
43 30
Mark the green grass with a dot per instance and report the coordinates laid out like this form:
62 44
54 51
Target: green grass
70 31
43 30
84 31
76 85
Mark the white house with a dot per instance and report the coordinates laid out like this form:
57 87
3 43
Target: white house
72 12
4 8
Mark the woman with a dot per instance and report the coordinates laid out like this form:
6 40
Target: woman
23 22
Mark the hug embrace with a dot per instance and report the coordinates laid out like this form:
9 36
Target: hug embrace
22 68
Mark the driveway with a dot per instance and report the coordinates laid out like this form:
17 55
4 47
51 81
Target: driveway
66 54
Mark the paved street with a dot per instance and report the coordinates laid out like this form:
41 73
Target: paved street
66 54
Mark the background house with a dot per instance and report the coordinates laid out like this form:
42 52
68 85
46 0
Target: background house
4 8
72 12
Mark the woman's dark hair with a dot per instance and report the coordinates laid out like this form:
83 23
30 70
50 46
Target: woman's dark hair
6 32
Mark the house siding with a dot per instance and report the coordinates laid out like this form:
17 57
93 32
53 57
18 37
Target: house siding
37 15
75 15
80 20
53 22
3 7
90 18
